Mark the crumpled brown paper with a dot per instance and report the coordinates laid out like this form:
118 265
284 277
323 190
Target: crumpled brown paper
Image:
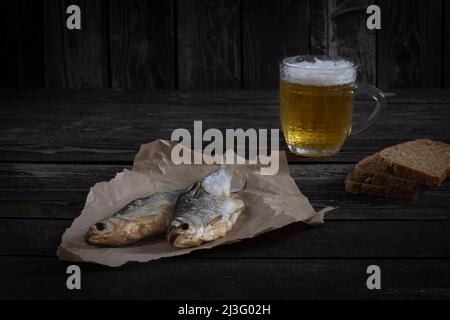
271 202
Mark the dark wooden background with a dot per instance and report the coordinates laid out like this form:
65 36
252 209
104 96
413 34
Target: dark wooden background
210 44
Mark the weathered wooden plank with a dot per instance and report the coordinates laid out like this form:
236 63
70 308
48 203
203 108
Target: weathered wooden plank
446 43
334 239
21 44
73 131
76 58
409 44
60 190
209 54
198 97
141 44
318 27
28 278
348 36
46 147
67 203
272 30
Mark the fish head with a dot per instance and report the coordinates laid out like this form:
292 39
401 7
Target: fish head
100 233
185 232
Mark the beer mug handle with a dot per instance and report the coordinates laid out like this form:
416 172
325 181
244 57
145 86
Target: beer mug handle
379 97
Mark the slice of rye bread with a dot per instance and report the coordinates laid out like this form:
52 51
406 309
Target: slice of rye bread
389 192
424 161
372 170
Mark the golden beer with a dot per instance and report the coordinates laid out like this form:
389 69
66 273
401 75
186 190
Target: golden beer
316 117
316 104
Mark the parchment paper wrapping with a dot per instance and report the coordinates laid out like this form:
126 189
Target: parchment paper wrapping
271 202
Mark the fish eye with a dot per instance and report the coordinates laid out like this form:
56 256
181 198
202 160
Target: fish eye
185 226
100 226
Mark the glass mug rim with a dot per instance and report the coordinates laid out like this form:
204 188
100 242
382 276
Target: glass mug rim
285 63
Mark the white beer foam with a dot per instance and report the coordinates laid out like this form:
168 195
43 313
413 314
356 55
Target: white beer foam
318 72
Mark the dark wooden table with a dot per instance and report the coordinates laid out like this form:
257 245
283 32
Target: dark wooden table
55 144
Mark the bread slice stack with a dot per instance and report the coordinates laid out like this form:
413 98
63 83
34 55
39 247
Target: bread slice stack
398 172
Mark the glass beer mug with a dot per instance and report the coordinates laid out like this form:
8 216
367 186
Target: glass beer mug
316 104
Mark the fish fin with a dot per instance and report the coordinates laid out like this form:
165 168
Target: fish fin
217 228
194 189
236 214
218 182
215 220
235 189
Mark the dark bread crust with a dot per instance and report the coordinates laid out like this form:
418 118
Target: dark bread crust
423 161
372 170
397 172
389 192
